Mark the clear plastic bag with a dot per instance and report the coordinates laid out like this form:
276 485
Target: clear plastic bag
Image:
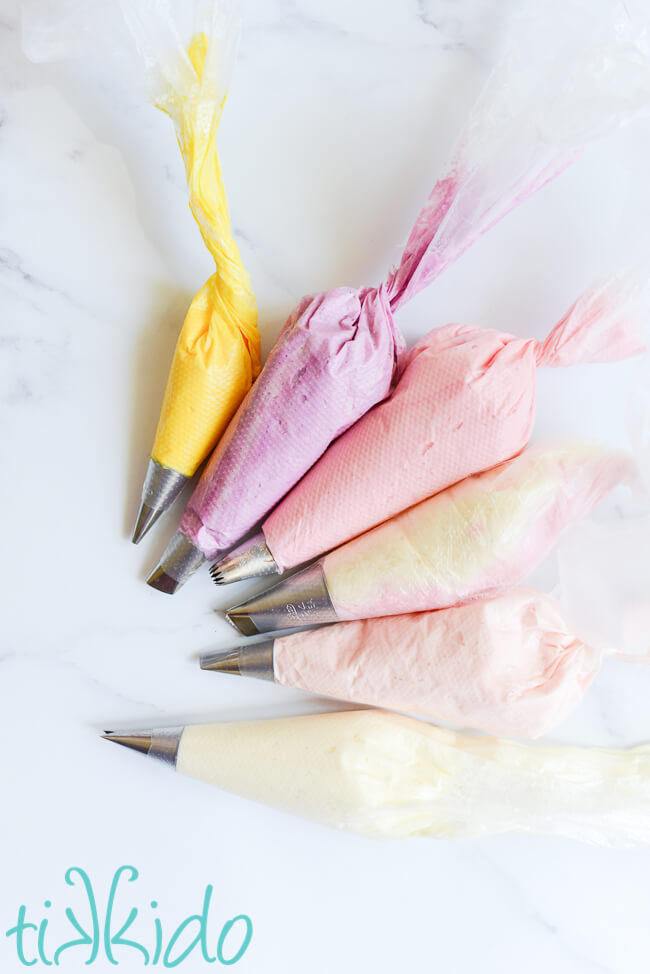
573 70
604 565
387 776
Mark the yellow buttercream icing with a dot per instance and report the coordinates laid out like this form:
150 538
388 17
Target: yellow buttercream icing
217 356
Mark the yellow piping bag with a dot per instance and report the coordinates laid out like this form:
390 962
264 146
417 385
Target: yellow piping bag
189 49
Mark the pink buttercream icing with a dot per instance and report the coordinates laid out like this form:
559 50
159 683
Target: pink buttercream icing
465 403
509 665
475 539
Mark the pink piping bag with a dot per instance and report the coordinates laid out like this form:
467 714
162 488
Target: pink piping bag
473 540
464 403
511 665
341 352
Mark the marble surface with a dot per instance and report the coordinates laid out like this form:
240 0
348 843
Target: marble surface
340 116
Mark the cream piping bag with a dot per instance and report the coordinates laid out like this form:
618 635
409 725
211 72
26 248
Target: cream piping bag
383 775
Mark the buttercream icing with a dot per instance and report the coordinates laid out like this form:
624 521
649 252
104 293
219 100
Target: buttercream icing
217 355
476 538
510 665
385 775
465 403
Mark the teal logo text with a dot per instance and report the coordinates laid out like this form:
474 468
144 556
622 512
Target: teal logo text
123 933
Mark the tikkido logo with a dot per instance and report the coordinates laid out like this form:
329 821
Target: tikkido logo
104 938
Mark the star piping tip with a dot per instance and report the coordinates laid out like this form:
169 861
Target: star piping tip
215 575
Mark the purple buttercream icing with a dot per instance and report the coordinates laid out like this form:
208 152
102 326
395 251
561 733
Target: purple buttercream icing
337 355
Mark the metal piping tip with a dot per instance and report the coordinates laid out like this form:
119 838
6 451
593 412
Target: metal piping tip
180 561
147 517
162 744
242 622
162 486
255 660
134 739
250 559
302 600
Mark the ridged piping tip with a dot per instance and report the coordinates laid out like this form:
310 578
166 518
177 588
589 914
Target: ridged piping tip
180 561
250 559
162 486
302 600
249 660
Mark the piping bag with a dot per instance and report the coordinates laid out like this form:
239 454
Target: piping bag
217 355
471 541
510 665
187 50
465 403
387 776
341 352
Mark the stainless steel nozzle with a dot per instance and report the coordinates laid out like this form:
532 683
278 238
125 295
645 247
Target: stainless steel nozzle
162 485
247 660
248 560
161 743
180 561
302 600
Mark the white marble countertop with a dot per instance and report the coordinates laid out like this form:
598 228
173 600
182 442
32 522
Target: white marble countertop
339 119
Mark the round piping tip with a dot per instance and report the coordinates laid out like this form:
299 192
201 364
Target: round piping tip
162 486
147 517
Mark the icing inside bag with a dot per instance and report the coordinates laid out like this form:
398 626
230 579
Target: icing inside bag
511 665
477 538
384 775
187 50
217 355
465 402
340 352
473 540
